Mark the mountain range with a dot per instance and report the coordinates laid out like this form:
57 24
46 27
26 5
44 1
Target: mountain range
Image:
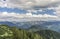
35 25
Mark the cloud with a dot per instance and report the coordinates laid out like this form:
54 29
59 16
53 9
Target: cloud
5 16
40 15
29 4
57 9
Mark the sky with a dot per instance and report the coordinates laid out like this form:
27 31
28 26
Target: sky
29 10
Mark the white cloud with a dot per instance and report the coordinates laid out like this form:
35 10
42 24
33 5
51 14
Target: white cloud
29 4
40 15
5 16
57 9
49 8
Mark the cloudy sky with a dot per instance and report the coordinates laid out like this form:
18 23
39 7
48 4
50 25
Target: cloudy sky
29 10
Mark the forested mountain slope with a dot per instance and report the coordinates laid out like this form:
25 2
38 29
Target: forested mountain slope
7 32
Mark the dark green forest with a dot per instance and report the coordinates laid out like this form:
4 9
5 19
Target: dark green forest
7 32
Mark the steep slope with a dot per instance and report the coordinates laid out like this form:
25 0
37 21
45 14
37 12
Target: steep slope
49 34
7 32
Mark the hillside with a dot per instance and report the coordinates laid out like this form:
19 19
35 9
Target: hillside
7 32
49 34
